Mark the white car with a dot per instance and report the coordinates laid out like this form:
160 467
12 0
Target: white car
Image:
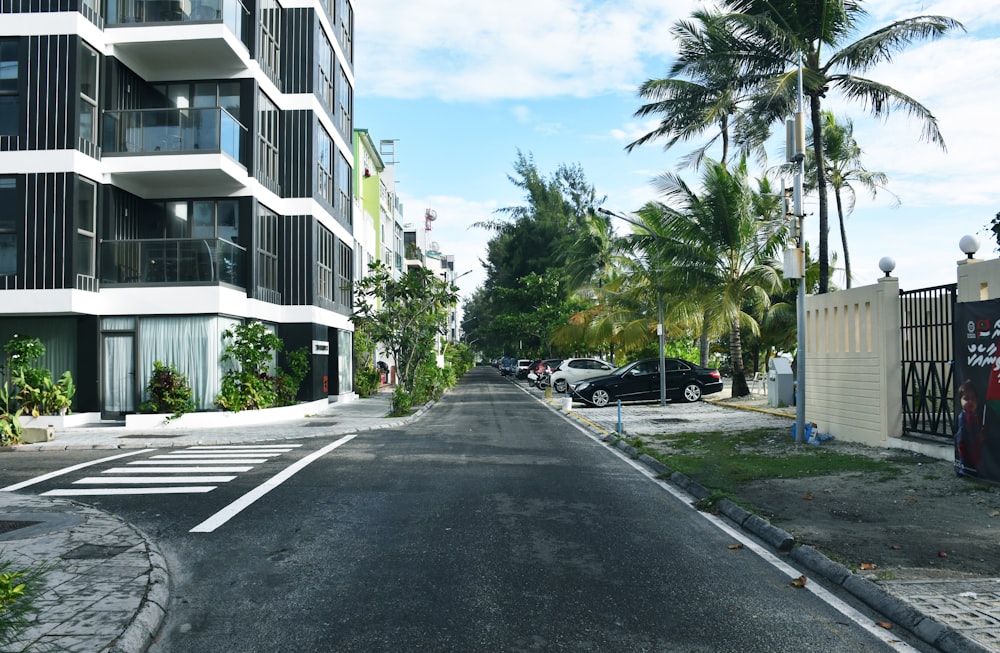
572 370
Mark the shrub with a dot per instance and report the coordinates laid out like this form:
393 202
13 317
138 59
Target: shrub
169 391
19 588
40 395
251 386
366 381
402 402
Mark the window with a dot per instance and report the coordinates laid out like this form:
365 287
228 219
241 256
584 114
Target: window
345 19
324 263
343 206
270 50
344 278
267 256
325 60
86 221
87 77
346 97
8 226
324 168
267 143
10 101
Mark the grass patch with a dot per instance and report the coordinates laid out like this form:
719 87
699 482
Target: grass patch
725 461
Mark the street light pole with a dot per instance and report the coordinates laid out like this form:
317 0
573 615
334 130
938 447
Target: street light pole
800 361
659 303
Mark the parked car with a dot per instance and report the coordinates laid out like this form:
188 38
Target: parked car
577 369
507 365
640 381
521 368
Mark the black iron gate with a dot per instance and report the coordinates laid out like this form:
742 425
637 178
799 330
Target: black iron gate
926 317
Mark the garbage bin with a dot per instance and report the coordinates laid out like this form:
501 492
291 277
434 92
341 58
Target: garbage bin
780 383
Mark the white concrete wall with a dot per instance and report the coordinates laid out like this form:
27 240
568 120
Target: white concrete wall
853 388
978 280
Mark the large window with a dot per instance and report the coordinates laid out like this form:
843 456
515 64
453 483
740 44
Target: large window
87 74
86 230
267 143
343 206
345 267
326 63
324 168
345 19
346 97
270 48
324 264
267 256
10 101
8 225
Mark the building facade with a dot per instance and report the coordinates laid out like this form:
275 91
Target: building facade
169 169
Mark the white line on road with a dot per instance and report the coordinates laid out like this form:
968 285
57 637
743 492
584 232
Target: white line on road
216 456
101 492
199 461
150 480
233 509
176 470
231 447
67 470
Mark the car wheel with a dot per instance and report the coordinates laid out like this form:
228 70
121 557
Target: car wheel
560 385
600 398
692 392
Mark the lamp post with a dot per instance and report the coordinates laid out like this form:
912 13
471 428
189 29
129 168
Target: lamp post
659 304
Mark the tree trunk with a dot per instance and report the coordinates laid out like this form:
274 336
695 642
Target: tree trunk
740 387
815 110
843 237
703 344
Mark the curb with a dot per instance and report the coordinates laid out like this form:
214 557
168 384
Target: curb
941 636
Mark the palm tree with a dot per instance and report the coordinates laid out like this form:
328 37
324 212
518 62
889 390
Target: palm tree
719 246
843 166
699 93
769 37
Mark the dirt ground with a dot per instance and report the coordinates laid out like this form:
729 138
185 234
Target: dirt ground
922 523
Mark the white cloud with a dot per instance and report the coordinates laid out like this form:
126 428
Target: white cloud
459 50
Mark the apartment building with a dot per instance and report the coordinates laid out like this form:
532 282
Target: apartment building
169 169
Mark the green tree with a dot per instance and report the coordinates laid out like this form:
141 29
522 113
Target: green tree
770 35
844 170
724 238
406 315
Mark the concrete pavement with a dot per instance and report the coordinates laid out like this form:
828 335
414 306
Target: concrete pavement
108 586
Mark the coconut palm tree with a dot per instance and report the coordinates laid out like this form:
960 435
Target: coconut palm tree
719 246
769 36
843 170
699 93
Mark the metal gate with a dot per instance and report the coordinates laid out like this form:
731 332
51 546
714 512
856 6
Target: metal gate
926 317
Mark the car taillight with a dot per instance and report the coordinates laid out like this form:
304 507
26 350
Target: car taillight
715 374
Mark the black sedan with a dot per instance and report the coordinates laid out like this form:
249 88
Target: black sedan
640 381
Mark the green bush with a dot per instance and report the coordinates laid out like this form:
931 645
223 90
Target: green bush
19 589
40 395
169 391
366 381
402 402
250 386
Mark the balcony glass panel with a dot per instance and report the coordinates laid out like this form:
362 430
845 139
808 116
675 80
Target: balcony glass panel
132 12
172 261
160 131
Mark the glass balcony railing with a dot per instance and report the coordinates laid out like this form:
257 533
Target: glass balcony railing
172 261
191 131
132 12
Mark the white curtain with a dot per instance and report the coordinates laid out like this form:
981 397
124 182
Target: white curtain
119 391
192 344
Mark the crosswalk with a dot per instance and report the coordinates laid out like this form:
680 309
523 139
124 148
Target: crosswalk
193 470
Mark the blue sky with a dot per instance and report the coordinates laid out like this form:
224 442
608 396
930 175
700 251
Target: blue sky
464 86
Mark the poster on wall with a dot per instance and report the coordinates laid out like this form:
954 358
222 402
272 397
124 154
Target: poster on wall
977 397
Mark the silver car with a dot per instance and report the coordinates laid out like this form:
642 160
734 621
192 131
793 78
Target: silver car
572 370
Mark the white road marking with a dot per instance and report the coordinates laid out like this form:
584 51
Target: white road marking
175 470
67 470
215 456
229 447
100 492
233 509
198 461
150 480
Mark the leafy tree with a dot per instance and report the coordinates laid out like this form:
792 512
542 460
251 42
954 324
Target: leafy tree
843 170
770 35
406 315
724 239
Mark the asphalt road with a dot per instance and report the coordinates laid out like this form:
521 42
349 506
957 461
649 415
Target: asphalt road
490 524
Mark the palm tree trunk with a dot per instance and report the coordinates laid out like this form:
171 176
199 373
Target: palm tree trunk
740 387
843 236
815 109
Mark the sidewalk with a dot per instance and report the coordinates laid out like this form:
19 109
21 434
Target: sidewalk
109 587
